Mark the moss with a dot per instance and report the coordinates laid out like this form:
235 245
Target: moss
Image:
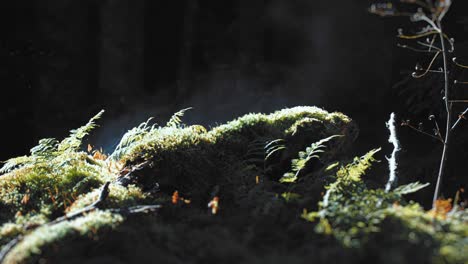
191 159
194 160
48 187
90 226
119 196
259 218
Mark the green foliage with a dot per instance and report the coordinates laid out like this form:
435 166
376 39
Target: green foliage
274 146
410 188
395 231
131 137
88 227
15 163
297 165
175 120
50 148
290 197
57 178
73 142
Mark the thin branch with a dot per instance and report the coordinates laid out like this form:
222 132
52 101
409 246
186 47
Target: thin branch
414 49
454 60
436 124
422 132
458 101
430 46
461 117
446 4
432 42
415 75
448 105
420 16
104 193
417 36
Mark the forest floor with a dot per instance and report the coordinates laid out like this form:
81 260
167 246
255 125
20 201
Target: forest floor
273 188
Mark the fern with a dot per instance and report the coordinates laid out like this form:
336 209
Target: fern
50 148
274 146
45 150
176 120
73 142
348 178
47 147
15 163
410 188
128 139
353 172
297 165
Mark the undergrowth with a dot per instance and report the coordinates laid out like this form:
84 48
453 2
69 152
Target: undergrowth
240 168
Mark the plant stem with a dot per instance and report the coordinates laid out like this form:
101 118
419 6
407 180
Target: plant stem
448 107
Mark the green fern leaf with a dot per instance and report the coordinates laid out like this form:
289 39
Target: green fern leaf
176 120
73 142
130 138
312 152
410 188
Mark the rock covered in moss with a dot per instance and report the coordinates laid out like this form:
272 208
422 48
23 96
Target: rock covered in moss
233 168
53 180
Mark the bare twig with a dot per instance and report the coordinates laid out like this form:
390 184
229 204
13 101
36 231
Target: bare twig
417 36
429 45
448 106
461 117
415 75
423 132
436 124
454 60
403 46
102 197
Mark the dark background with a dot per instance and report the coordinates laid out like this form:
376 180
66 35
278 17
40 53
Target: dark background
64 60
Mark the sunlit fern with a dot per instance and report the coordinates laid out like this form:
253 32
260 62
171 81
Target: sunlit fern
176 120
410 188
49 148
128 139
349 177
273 147
73 142
297 165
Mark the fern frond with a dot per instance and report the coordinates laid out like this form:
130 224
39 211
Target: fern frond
73 142
349 177
176 120
128 139
297 165
46 147
15 163
274 146
353 172
410 188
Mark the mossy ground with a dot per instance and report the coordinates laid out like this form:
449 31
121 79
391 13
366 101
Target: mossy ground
259 218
